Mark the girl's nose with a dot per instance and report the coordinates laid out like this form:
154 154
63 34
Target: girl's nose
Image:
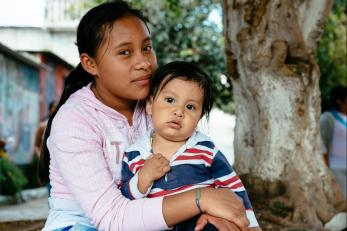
143 63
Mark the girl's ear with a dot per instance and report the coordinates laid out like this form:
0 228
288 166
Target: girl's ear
149 104
88 64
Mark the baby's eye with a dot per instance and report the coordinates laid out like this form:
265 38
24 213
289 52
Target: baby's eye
169 100
124 52
190 107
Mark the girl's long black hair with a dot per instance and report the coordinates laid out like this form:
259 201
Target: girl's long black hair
90 34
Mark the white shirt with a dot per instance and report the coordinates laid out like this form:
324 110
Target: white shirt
338 151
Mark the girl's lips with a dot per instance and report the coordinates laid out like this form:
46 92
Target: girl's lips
144 77
143 80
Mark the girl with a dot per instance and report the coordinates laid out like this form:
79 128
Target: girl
180 94
98 116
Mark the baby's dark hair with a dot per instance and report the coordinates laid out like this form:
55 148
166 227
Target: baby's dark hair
186 71
91 32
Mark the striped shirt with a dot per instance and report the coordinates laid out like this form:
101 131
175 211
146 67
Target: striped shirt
198 163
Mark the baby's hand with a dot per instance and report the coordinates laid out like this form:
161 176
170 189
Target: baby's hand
154 168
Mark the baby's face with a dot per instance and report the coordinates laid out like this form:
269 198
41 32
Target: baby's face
176 109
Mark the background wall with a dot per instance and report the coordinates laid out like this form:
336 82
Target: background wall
19 107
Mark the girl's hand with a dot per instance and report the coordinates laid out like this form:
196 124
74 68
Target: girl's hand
220 223
223 203
154 168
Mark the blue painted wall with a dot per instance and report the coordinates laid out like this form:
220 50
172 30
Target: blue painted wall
50 84
19 107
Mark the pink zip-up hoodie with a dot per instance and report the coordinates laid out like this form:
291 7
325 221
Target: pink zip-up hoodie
86 145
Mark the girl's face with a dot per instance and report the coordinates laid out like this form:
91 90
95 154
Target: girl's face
124 63
176 109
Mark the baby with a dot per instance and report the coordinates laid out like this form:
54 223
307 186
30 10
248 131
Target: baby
184 159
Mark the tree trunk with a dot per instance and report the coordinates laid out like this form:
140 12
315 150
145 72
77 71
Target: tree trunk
271 48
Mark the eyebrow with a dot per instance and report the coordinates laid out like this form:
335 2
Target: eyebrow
174 94
122 44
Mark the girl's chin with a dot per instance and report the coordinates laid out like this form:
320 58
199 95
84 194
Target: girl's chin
140 94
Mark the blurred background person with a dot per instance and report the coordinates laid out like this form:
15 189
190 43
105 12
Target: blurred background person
32 173
41 129
333 125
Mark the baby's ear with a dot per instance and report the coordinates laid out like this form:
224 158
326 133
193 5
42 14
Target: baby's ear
149 104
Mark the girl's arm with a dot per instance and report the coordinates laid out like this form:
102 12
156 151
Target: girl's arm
78 164
219 202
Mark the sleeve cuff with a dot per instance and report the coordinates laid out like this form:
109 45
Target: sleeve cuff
149 214
134 190
155 205
252 219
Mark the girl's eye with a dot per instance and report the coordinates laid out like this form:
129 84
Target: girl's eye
190 107
125 52
147 48
169 100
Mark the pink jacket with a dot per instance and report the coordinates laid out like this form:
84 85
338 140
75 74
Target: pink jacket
86 146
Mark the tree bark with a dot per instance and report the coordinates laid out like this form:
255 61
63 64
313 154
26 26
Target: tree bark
271 48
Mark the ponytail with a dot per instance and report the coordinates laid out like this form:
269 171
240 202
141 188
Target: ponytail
77 79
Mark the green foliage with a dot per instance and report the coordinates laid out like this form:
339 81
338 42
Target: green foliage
12 179
31 173
332 50
76 9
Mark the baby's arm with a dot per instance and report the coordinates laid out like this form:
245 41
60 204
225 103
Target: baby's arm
225 176
138 174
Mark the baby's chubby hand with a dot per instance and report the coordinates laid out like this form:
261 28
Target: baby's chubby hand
154 168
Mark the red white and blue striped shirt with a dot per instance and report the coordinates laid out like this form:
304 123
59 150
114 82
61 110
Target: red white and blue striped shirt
198 163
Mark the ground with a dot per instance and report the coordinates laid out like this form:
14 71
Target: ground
22 225
38 224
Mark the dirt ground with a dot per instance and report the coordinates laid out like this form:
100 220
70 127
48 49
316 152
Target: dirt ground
22 226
